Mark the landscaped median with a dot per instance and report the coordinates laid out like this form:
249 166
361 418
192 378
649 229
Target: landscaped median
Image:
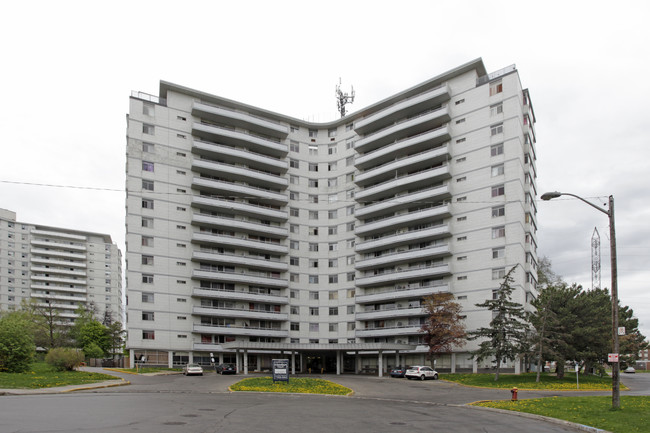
42 375
527 381
295 385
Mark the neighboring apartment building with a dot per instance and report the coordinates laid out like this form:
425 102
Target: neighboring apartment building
253 235
60 267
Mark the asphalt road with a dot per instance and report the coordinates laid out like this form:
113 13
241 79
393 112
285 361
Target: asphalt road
175 403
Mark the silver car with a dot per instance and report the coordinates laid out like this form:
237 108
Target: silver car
189 369
421 372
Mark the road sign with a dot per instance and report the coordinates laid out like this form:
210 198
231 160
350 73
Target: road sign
612 357
621 330
280 369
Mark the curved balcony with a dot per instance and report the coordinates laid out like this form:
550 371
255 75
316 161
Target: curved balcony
72 308
58 280
59 245
55 253
399 202
403 238
51 288
238 225
47 261
409 127
234 138
390 187
240 208
401 220
239 313
239 119
412 162
404 275
240 260
238 296
232 155
241 174
240 330
58 271
405 291
77 299
402 109
239 277
392 313
52 234
234 189
402 257
386 332
240 242
412 144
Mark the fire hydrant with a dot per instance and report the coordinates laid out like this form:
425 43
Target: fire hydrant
514 391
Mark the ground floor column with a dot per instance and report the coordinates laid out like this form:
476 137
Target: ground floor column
338 362
190 358
245 361
220 358
293 362
358 358
131 358
381 364
474 366
397 364
453 362
170 359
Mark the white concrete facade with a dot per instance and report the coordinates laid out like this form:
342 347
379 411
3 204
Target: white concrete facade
59 266
244 225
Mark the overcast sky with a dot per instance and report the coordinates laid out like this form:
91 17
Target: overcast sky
68 68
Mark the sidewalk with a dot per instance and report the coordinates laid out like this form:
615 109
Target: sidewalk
68 388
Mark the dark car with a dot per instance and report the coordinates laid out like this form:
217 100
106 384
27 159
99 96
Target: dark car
398 371
226 369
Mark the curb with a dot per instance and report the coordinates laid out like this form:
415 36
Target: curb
105 385
63 390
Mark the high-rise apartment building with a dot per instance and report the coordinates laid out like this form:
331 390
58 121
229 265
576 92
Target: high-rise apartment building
59 268
253 235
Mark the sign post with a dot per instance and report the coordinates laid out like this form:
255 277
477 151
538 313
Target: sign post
280 370
577 374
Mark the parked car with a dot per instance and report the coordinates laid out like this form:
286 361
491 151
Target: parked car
421 372
226 369
398 371
629 370
189 369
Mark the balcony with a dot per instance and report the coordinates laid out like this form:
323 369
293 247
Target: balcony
241 330
400 164
239 119
405 219
226 223
239 174
402 257
58 245
403 201
405 129
240 260
51 288
412 144
240 139
239 208
239 313
404 237
239 278
402 109
55 253
391 313
234 156
239 190
58 271
51 234
240 242
406 291
386 332
77 299
412 181
48 261
238 296
404 275
51 279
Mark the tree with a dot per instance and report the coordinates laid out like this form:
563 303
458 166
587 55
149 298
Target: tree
64 358
545 274
115 336
507 334
444 327
50 329
93 332
93 351
16 342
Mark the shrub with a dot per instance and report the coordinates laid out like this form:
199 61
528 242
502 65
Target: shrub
93 351
16 343
64 358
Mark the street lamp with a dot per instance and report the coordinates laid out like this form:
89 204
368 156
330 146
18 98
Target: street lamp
616 394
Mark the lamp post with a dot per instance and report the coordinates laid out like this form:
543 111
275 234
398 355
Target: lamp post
616 394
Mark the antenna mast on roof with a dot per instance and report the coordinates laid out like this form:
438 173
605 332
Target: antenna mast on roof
343 98
595 260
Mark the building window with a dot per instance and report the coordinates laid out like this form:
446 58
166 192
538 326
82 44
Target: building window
333 279
294 294
350 309
496 149
148 335
313 231
331 132
350 243
294 245
331 166
293 163
463 159
147 222
147 278
351 326
496 129
332 214
498 232
332 230
460 121
350 260
147 166
332 182
332 198
498 190
461 258
147 203
313 133
461 179
313 311
147 260
498 170
147 315
294 180
147 297
148 129
313 166
349 161
498 253
294 278
313 279
498 211
147 241
313 327
462 277
334 311
496 109
461 238
294 128
295 326
498 273
148 147
350 276
294 261
333 294
460 101
461 140
313 198
147 185
294 146
464 198
313 214
294 228
496 87
313 183
294 212
333 246
313 247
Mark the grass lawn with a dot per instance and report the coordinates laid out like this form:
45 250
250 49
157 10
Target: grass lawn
527 381
633 417
43 375
295 385
142 370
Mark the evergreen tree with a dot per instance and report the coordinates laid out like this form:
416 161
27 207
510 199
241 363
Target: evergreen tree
506 336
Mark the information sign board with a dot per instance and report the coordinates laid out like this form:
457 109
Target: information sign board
280 369
612 357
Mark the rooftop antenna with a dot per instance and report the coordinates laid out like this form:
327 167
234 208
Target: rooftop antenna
595 260
343 98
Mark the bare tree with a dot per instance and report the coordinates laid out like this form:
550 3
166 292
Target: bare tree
444 326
